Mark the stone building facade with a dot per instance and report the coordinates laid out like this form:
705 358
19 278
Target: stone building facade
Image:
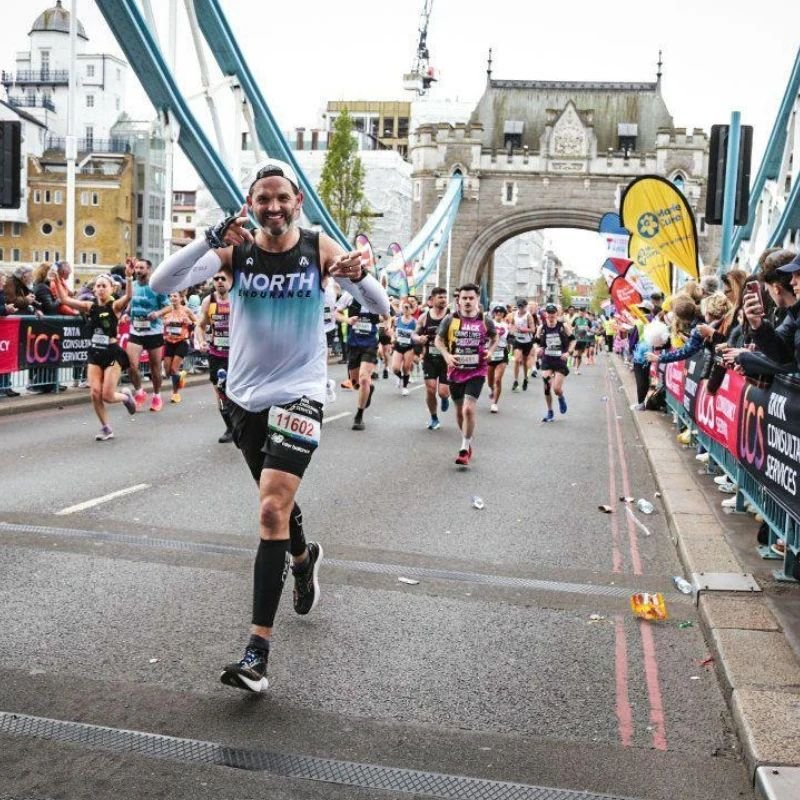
538 154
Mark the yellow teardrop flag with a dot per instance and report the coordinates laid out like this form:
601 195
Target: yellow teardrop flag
651 262
653 209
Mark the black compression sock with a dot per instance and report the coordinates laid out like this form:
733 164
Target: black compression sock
405 381
259 642
297 539
269 573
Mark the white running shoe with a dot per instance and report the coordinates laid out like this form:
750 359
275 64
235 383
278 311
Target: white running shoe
720 480
404 392
493 408
702 458
729 502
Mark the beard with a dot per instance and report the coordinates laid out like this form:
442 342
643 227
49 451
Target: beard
276 226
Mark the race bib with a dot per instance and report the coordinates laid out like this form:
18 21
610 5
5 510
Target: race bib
292 425
523 338
141 324
433 350
100 340
498 355
327 316
174 330
403 337
553 345
364 328
468 359
220 341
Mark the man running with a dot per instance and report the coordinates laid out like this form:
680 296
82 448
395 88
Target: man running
278 373
147 333
362 351
434 367
557 342
215 311
581 325
523 327
467 339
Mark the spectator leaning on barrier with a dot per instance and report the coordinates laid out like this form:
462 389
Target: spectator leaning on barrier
782 343
47 301
703 334
20 290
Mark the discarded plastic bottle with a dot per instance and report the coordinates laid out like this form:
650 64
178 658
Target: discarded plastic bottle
648 605
222 376
644 506
682 585
478 503
330 391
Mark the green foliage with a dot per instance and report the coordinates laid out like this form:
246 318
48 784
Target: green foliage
599 294
566 297
341 185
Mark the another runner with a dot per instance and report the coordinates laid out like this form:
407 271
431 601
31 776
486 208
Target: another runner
215 311
278 374
147 333
583 335
499 358
434 366
177 319
362 353
557 342
106 358
467 339
403 358
523 326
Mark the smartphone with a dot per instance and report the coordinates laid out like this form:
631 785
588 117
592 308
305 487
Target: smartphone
753 287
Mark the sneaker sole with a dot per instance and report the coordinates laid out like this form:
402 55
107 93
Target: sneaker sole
239 681
315 579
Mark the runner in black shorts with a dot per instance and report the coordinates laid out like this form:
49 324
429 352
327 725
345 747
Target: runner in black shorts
523 326
434 367
277 378
556 340
499 359
106 358
215 316
362 355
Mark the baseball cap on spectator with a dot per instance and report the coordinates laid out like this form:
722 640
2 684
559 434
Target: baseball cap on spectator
551 308
521 302
792 266
497 308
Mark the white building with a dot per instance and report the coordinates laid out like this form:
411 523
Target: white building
519 268
40 83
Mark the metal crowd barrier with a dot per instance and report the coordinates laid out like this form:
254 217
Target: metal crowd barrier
781 524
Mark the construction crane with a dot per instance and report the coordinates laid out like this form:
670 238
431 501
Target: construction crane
422 74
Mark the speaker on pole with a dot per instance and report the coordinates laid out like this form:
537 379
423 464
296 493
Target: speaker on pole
717 166
10 163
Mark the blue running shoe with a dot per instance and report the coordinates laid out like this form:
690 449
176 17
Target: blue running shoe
445 404
562 404
434 424
549 416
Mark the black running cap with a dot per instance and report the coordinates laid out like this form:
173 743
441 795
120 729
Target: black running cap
277 168
551 308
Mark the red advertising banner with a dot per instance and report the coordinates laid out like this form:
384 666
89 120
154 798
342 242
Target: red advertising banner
674 377
624 294
9 344
717 415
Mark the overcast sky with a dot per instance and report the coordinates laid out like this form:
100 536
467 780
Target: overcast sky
718 57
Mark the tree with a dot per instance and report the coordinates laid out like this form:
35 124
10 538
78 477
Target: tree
341 185
599 294
566 297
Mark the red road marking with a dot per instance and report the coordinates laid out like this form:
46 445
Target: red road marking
624 711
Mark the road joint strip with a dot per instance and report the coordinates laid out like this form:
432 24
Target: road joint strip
286 765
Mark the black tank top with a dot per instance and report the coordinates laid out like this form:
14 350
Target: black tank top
430 329
102 324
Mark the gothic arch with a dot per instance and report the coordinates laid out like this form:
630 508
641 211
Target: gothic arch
511 225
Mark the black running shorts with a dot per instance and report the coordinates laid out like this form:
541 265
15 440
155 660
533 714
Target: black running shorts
283 440
554 365
152 341
434 368
526 347
179 349
108 356
355 355
472 387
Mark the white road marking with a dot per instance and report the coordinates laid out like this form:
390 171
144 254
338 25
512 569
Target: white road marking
104 499
336 416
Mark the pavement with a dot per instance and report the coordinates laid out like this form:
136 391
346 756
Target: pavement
126 571
754 637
